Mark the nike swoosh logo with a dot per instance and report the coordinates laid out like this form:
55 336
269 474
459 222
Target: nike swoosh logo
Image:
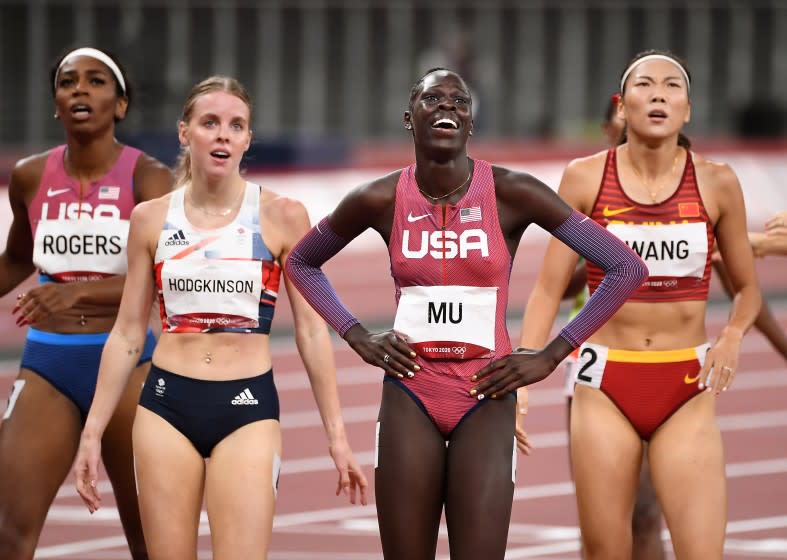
411 218
55 192
609 213
689 380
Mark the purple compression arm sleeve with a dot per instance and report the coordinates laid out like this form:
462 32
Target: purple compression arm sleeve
624 273
303 269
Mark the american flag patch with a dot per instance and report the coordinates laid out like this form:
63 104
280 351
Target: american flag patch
470 214
108 193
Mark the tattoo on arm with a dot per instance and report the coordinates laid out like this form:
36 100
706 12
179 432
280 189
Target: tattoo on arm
132 351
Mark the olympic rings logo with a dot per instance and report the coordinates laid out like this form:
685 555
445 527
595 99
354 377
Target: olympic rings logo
459 350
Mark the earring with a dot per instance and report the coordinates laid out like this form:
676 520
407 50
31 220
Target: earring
408 126
471 133
56 116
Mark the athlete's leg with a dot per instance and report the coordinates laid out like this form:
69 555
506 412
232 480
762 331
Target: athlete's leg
119 462
38 440
480 482
409 477
606 453
239 491
170 477
646 522
687 468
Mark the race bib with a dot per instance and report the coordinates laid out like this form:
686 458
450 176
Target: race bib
669 250
212 293
448 322
80 250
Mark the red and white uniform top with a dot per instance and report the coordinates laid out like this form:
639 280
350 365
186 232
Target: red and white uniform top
222 280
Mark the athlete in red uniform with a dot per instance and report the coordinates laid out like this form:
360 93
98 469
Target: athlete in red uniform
71 209
651 361
452 226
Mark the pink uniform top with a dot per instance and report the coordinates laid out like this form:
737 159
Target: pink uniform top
80 231
459 255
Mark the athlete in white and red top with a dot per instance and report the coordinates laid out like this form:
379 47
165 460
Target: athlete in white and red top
452 226
213 250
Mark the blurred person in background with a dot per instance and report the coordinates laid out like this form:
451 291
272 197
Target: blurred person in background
773 241
71 208
213 251
637 380
452 225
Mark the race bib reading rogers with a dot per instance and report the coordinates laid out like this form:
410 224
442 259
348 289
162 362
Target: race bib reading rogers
448 322
80 250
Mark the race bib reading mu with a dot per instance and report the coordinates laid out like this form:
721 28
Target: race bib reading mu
448 322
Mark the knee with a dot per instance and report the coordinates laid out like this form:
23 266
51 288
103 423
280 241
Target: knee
16 540
605 549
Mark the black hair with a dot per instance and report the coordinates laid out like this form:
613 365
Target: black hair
683 140
118 90
417 85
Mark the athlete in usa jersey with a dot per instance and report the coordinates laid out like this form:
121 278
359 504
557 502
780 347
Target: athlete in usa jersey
71 206
452 226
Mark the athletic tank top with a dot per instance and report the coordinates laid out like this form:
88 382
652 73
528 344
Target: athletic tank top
80 231
222 280
675 237
451 266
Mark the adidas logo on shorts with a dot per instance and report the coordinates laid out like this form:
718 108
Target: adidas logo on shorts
245 397
178 238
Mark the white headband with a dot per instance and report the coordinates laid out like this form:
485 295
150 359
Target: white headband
101 57
655 57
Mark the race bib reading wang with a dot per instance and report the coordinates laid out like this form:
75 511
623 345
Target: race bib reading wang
448 322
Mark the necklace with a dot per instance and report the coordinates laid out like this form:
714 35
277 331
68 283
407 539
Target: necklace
436 198
654 194
220 213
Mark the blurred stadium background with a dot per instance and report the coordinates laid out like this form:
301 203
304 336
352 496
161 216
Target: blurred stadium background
330 80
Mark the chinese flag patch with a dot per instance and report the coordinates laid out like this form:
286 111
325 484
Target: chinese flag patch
689 209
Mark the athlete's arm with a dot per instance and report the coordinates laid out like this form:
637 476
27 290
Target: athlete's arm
732 239
624 273
16 262
368 206
558 264
291 221
122 349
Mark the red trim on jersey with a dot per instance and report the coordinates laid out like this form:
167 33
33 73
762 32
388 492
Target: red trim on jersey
685 205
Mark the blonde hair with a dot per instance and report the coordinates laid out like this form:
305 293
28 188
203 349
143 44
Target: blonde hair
206 86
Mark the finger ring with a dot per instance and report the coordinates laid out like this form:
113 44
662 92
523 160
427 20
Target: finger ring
726 368
386 358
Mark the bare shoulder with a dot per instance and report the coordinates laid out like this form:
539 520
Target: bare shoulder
283 211
581 180
714 175
379 193
150 213
151 177
506 179
26 174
